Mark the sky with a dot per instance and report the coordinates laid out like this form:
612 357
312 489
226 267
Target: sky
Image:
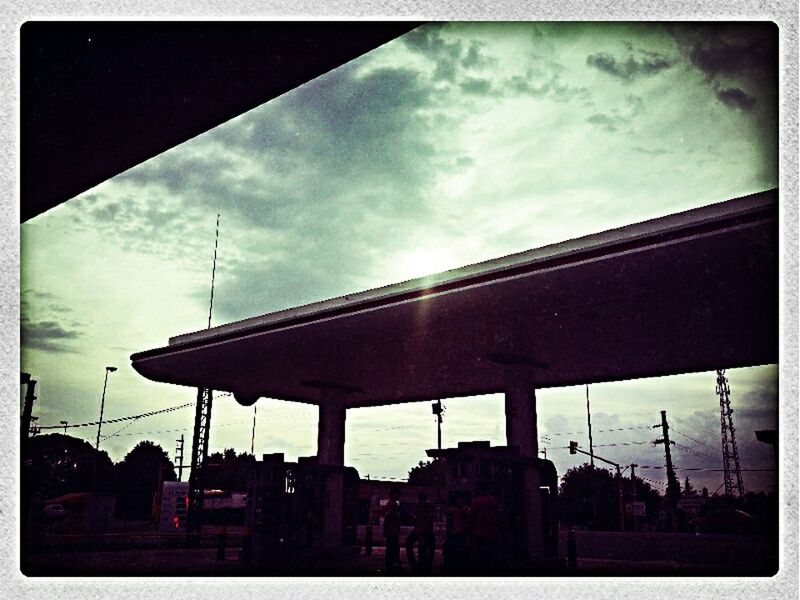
453 144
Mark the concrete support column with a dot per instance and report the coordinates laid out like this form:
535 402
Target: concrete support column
522 432
330 432
330 452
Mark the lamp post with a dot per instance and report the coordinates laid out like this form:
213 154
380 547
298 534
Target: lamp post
64 423
102 405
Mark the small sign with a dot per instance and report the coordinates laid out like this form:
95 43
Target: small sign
635 509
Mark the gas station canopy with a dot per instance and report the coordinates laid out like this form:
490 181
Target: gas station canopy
689 292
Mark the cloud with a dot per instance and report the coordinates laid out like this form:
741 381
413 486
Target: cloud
308 185
478 86
49 336
648 63
449 57
738 61
52 302
736 98
651 151
538 87
45 322
324 176
720 57
605 122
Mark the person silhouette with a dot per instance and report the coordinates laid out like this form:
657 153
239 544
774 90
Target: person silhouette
391 532
422 533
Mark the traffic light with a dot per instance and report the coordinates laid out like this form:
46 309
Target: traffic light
573 447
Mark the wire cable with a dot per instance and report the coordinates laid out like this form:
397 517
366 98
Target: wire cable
120 419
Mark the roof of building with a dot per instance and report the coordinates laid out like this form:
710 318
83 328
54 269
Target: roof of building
692 291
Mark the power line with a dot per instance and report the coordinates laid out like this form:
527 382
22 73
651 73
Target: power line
180 429
703 469
695 452
601 430
692 425
120 419
694 440
604 445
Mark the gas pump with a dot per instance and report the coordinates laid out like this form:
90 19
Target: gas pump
285 508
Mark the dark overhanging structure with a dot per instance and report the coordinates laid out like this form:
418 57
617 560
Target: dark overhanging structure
689 292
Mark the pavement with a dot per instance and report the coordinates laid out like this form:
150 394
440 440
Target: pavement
599 554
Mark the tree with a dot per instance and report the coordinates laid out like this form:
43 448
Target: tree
58 464
137 477
227 470
589 496
425 473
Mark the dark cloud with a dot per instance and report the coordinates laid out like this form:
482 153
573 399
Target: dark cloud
473 58
651 151
445 71
739 61
450 57
427 40
648 63
604 121
716 56
149 222
50 302
465 161
736 98
49 336
106 213
478 86
543 82
45 322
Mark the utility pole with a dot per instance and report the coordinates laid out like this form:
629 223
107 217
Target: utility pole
179 457
589 423
102 405
673 487
730 454
253 436
27 409
543 443
635 497
438 410
573 449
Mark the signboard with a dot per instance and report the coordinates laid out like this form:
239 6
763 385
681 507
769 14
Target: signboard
635 509
174 505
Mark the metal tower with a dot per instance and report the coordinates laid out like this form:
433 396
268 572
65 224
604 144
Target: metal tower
202 426
729 451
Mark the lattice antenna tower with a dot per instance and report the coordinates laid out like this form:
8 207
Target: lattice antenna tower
730 454
202 428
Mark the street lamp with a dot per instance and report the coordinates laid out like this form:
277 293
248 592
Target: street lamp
102 405
64 423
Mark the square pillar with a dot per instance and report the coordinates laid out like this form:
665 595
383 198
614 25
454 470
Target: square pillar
522 429
330 431
522 432
330 452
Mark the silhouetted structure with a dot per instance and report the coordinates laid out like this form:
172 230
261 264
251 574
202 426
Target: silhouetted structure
631 293
730 453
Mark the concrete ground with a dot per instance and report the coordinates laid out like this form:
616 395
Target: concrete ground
599 553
